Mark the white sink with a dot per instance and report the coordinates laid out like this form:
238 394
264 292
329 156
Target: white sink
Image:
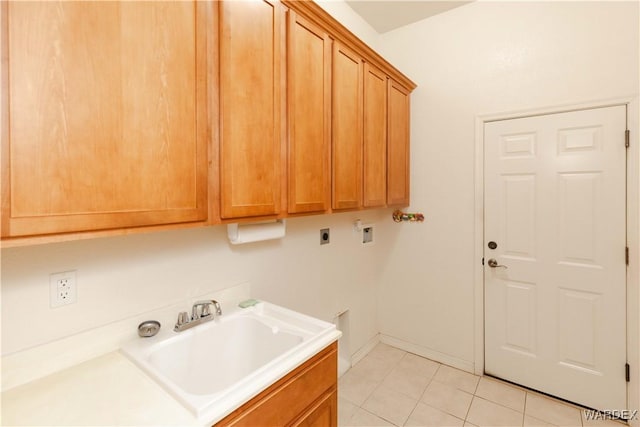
215 367
215 358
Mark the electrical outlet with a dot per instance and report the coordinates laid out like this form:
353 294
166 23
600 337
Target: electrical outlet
367 235
62 288
324 236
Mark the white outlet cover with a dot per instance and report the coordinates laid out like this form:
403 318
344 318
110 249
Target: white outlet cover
368 235
63 288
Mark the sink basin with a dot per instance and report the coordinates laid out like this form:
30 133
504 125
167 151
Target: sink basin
215 367
215 358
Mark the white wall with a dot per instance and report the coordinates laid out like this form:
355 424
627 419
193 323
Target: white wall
483 58
340 10
119 277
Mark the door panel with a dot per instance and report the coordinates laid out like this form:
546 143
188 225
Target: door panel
250 108
375 137
108 116
520 219
347 128
577 328
555 205
578 195
309 102
398 188
520 331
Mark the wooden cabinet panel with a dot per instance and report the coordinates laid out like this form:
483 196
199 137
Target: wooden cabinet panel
108 110
375 137
323 413
297 396
398 145
105 117
346 128
251 144
309 107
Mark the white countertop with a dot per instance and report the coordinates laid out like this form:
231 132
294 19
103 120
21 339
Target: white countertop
106 391
85 380
109 390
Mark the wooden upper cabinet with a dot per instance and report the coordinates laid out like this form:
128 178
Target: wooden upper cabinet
119 115
398 145
309 108
346 128
375 137
104 119
251 104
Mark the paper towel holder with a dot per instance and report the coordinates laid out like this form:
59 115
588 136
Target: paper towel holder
256 232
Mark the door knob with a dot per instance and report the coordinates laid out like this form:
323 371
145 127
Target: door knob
494 264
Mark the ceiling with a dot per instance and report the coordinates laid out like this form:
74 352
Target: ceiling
387 15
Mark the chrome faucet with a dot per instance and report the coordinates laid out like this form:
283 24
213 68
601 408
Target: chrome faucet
205 308
200 313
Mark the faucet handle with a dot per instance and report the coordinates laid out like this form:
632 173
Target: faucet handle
205 311
183 318
216 304
205 307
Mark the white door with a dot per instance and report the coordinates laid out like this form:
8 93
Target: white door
555 205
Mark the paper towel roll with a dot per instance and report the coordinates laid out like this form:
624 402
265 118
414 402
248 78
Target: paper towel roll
247 233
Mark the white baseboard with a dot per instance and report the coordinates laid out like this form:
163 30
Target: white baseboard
434 355
365 349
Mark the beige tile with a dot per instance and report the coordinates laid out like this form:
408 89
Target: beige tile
390 405
374 368
427 416
501 393
485 413
363 418
552 411
447 398
468 424
457 378
387 352
534 422
419 365
406 381
355 388
346 410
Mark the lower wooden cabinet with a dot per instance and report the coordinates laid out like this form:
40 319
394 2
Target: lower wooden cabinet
322 414
307 396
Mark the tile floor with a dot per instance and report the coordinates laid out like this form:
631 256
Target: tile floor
390 387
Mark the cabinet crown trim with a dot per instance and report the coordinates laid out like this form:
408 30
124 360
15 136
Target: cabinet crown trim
313 12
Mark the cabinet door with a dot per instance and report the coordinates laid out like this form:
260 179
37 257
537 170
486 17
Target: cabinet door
398 145
347 128
309 106
295 396
104 115
375 137
323 413
251 145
